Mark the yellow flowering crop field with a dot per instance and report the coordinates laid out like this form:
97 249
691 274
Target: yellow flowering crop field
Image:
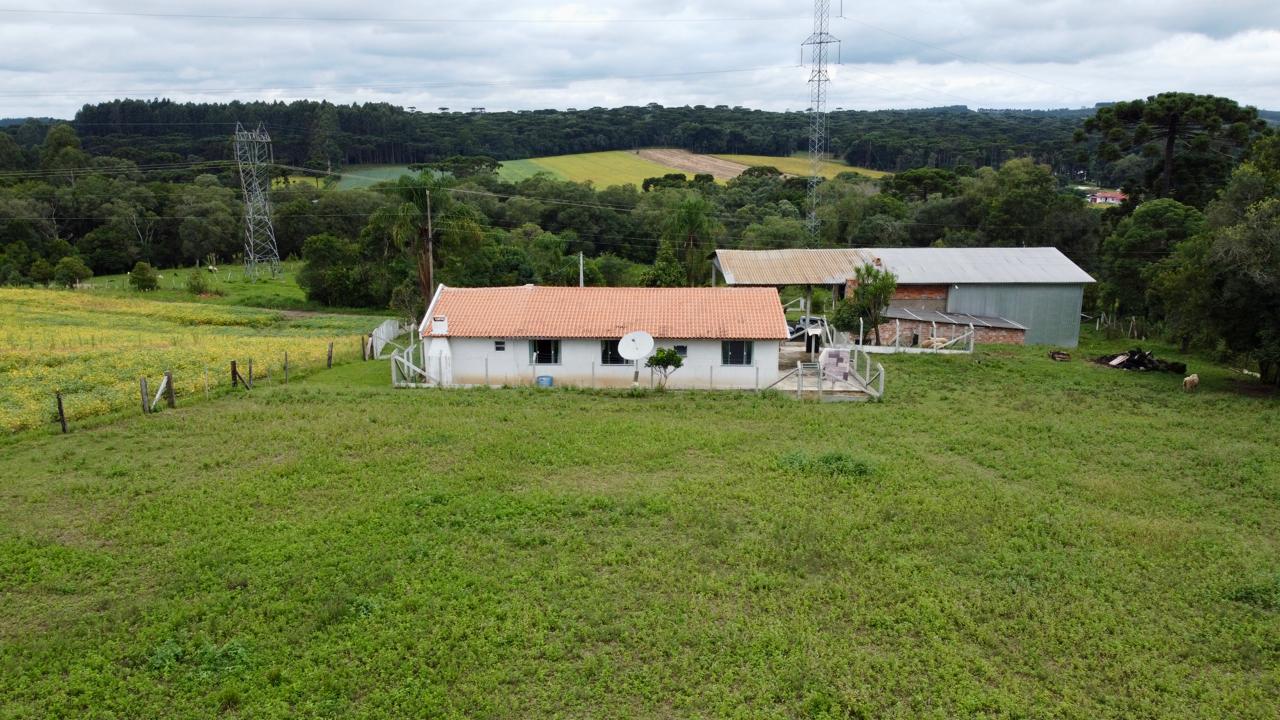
94 349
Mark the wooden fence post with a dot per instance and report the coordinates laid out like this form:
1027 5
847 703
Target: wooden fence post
329 361
146 401
364 350
249 380
62 414
235 376
170 397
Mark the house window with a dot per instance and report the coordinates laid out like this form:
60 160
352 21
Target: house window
544 352
499 345
682 350
736 352
609 354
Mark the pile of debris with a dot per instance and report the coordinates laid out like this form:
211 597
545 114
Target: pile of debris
1136 359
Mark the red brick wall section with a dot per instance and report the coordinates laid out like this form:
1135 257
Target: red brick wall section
907 292
920 292
1002 336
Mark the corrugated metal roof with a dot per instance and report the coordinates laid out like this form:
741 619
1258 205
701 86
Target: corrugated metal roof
913 266
952 318
960 266
787 267
530 311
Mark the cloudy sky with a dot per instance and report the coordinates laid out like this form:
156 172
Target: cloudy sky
56 55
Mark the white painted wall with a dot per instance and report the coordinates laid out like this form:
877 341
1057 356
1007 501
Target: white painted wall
580 365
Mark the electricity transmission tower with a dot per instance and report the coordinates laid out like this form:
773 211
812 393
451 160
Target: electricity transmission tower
254 158
817 43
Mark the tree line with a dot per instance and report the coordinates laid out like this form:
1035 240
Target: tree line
323 135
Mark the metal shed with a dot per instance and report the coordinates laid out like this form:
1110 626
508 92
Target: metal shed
1039 288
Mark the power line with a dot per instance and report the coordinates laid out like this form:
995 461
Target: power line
965 58
401 20
526 83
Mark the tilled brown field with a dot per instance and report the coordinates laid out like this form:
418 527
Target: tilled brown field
693 163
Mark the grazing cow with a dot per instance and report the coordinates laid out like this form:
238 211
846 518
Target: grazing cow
1191 382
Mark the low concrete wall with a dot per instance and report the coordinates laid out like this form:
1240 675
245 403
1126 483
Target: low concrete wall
1004 336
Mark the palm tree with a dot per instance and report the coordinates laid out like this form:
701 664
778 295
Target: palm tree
408 225
692 228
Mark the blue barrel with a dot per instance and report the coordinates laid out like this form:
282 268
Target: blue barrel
545 381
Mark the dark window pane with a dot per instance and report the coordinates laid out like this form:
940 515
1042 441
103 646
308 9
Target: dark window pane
544 352
609 354
736 352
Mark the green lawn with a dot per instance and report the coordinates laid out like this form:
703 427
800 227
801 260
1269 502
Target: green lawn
1005 536
799 165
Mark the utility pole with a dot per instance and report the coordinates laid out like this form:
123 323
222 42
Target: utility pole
431 256
254 158
817 43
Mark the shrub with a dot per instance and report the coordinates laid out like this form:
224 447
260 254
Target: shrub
665 361
71 270
143 277
199 283
824 465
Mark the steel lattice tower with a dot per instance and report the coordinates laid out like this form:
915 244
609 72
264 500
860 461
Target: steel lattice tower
818 43
254 158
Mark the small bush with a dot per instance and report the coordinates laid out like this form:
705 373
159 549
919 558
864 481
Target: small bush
199 283
828 464
143 277
1263 595
71 270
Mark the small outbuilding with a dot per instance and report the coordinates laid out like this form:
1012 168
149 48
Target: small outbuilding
727 337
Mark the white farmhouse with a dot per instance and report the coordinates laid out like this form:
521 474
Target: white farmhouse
729 337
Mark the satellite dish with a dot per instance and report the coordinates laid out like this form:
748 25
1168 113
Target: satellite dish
635 345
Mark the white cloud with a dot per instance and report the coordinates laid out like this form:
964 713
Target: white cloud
910 53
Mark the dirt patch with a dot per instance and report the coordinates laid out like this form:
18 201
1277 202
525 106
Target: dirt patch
1251 388
694 163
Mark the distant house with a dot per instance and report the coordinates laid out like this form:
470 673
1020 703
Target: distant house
728 337
1107 197
1009 295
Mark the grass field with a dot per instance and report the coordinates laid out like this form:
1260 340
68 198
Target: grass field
799 165
517 170
316 182
357 177
93 348
280 293
1004 537
616 167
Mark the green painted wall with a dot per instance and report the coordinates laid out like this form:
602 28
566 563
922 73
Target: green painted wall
1050 312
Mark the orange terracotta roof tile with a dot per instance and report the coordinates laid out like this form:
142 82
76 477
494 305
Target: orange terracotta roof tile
607 312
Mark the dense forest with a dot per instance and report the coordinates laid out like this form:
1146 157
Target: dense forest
322 135
1195 249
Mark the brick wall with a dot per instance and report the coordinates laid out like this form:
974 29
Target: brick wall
914 297
1003 336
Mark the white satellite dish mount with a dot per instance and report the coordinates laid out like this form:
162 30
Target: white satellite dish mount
635 346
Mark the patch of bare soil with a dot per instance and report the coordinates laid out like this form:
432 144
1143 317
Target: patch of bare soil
693 163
